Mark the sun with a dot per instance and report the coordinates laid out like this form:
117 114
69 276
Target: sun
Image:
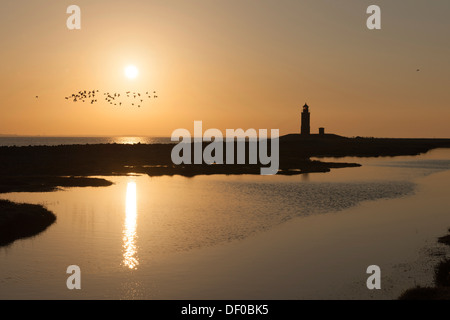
131 72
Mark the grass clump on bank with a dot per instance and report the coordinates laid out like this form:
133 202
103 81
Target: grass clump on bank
445 239
19 220
47 183
441 291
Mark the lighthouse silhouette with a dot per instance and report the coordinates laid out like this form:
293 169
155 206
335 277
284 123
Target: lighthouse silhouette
305 129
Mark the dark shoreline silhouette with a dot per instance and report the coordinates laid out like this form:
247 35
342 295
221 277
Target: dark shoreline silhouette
37 164
441 290
21 220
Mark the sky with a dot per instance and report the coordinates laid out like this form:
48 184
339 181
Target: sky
229 63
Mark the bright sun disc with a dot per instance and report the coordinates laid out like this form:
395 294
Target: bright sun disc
131 72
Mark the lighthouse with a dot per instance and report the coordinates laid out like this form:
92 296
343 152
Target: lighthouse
305 128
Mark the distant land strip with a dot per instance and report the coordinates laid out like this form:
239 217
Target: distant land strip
86 160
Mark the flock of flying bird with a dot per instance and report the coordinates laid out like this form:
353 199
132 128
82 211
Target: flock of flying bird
115 98
91 96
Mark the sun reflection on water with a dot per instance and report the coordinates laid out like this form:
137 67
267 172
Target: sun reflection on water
129 233
129 140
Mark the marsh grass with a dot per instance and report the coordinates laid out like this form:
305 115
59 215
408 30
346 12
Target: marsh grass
441 290
20 220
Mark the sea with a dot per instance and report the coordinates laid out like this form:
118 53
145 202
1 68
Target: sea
21 141
308 236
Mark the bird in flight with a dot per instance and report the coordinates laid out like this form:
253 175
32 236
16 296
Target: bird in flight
112 98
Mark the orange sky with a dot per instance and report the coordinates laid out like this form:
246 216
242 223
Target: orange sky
232 64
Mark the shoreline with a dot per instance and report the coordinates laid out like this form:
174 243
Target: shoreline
295 155
441 289
45 169
47 183
22 220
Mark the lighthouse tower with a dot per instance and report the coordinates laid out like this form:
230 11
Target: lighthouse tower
305 129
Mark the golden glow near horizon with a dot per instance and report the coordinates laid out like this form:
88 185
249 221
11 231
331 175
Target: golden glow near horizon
129 233
129 140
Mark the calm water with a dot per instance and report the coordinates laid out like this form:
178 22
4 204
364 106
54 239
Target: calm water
55 141
239 237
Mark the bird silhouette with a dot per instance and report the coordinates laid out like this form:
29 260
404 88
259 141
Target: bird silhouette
113 98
